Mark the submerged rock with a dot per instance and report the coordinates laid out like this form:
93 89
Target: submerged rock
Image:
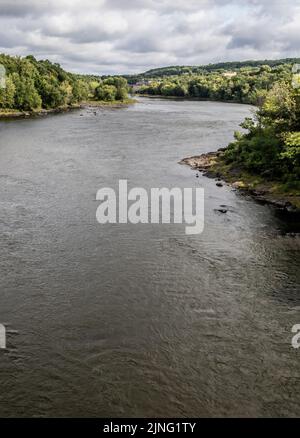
221 210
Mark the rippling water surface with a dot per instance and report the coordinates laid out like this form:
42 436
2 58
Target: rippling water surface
139 320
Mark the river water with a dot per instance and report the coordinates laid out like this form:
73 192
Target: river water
140 320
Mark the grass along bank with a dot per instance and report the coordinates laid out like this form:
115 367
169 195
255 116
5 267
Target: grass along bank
105 104
213 165
15 114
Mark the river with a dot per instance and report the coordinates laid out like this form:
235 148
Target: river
140 320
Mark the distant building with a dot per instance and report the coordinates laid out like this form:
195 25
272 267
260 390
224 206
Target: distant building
230 74
140 84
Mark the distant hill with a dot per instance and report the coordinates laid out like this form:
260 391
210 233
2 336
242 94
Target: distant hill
181 69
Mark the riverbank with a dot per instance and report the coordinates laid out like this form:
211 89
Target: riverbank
16 114
192 99
274 193
104 104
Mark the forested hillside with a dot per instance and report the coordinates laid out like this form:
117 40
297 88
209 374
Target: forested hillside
246 85
33 85
179 70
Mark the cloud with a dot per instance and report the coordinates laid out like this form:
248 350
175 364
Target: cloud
117 36
268 28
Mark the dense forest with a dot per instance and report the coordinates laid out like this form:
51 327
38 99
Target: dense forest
33 85
221 66
245 85
271 145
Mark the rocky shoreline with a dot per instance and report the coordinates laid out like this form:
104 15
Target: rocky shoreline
212 166
103 105
14 114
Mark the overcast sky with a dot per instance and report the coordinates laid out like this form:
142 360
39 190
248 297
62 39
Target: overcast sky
127 36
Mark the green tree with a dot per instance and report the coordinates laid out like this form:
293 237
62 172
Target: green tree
106 92
271 144
7 94
26 95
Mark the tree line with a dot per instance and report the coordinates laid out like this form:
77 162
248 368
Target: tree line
247 85
32 85
218 68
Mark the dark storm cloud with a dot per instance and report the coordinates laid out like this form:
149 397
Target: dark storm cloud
125 36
